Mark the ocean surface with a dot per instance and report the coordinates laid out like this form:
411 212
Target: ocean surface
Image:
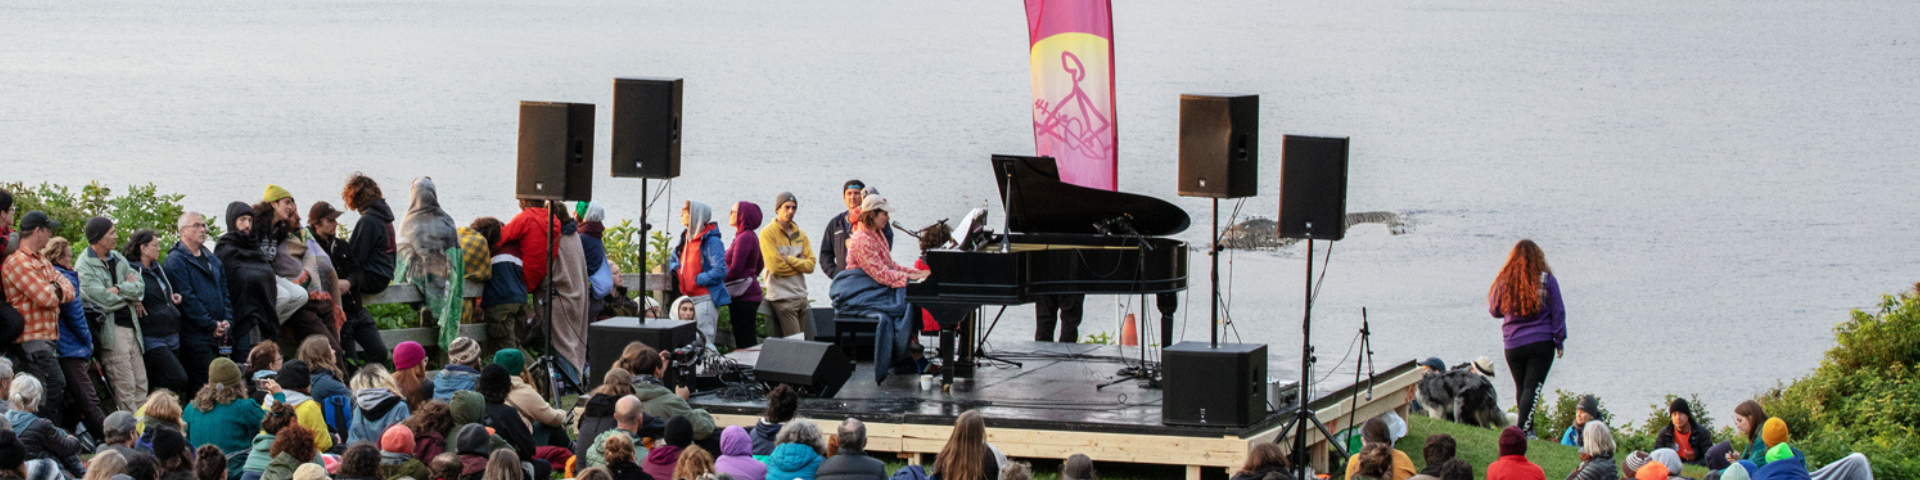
1716 183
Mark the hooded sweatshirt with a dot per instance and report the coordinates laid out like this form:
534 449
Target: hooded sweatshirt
661 460
736 456
399 465
250 279
375 409
709 276
599 276
743 256
427 234
1548 324
372 249
526 231
793 461
764 433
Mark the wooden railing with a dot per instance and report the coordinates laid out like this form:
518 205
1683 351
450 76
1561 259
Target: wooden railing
407 293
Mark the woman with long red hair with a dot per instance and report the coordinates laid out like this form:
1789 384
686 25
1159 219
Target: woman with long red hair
1533 322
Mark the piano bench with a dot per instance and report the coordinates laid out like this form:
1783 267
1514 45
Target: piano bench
854 335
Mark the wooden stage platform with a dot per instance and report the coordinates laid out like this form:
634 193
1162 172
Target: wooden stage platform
1049 408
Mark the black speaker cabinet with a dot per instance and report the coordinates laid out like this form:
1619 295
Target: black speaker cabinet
556 151
1214 387
1313 187
817 368
607 338
646 127
1219 145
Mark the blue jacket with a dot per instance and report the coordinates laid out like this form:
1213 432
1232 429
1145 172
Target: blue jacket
793 461
76 338
713 274
455 378
375 409
1793 468
202 284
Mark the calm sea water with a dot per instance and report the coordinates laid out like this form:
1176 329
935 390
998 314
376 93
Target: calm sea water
1716 183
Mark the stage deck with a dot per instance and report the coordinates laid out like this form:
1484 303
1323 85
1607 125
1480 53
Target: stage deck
1050 408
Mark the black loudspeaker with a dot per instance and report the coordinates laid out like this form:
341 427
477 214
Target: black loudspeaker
1313 187
556 151
1214 387
646 127
607 338
1219 145
817 368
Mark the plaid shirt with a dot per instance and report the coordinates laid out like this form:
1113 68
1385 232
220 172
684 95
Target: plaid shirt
476 255
37 291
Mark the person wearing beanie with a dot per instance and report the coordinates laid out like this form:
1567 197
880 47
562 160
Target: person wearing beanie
1774 432
296 380
666 454
396 455
1736 471
547 424
220 414
788 257
466 407
1587 411
410 373
1513 463
1666 457
473 447
310 472
109 283
13 455
1683 434
462 371
1652 471
172 451
495 385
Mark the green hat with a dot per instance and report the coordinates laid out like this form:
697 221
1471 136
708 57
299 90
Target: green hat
467 407
1779 452
511 359
225 373
274 193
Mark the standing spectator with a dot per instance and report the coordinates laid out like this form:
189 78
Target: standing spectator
463 368
528 230
37 291
358 336
376 405
159 317
41 438
1534 321
1513 463
1063 310
788 257
109 283
372 251
744 263
410 373
505 298
699 265
736 455
250 281
852 463
966 456
1683 434
10 319
220 413
570 290
75 346
201 282
833 246
599 271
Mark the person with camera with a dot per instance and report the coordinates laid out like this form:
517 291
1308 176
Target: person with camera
648 366
201 281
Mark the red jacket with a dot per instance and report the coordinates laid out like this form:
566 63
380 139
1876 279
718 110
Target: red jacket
1514 467
525 230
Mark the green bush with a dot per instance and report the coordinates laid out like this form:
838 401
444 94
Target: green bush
1865 396
142 206
1552 421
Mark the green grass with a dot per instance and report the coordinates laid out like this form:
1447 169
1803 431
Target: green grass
1481 446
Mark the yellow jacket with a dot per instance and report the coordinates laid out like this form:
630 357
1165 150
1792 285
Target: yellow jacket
789 256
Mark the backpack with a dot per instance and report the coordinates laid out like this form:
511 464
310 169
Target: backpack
338 411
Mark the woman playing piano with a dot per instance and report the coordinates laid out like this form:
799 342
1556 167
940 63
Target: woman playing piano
874 286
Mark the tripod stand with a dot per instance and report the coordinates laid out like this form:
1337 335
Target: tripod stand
1366 356
1302 414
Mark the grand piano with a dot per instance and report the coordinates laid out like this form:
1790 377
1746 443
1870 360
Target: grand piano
1062 239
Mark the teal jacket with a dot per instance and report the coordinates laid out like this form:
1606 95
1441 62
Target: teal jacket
95 279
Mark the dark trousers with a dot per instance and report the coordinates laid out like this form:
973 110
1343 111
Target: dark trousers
164 370
79 377
245 333
195 359
315 318
39 360
360 334
1529 365
744 315
1062 309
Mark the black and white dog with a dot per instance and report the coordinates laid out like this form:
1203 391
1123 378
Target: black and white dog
1462 395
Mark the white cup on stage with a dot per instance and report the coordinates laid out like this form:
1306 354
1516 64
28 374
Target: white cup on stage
926 382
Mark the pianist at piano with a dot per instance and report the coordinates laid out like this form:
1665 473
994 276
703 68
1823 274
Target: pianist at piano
873 285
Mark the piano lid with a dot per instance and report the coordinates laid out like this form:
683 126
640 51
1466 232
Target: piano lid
1038 202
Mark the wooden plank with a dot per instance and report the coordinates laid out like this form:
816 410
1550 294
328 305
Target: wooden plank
410 293
656 282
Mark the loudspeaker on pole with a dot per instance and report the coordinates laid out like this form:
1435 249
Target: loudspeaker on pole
1219 145
646 127
1313 187
555 151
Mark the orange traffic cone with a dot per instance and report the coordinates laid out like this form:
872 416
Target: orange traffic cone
1129 335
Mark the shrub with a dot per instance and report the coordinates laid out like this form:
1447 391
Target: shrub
1864 397
142 206
1550 423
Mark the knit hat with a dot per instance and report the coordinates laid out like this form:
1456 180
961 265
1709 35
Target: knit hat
120 423
1635 460
473 440
1077 467
511 359
1774 432
494 380
1434 363
398 439
96 229
1484 366
168 443
1652 471
1513 442
1735 471
1779 452
679 432
783 198
464 351
12 453
1666 457
1716 457
293 374
467 407
408 354
1590 405
308 471
274 193
1680 405
224 373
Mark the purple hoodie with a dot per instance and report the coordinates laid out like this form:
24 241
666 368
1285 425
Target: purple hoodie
1548 324
743 255
736 456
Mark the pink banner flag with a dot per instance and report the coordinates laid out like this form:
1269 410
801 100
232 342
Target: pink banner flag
1071 48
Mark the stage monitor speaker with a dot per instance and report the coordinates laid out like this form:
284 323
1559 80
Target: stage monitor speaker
1219 145
556 151
817 368
607 338
646 127
1215 387
1313 187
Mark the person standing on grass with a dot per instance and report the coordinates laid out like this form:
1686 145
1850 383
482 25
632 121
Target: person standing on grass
788 257
1526 298
202 283
75 346
159 315
37 291
108 283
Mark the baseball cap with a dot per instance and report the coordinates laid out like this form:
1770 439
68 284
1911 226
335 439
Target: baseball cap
36 220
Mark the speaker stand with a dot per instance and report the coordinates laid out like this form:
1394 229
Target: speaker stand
980 354
1302 414
553 367
1213 331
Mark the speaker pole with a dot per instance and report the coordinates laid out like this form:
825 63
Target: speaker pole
1213 332
644 193
553 367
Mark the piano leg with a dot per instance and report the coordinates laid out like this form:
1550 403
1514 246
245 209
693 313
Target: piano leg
1167 302
947 363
